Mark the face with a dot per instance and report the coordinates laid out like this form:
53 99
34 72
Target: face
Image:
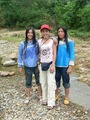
30 35
61 33
45 33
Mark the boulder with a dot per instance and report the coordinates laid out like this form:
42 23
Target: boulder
7 61
13 56
6 73
11 73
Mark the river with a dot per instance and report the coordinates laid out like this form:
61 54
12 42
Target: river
79 92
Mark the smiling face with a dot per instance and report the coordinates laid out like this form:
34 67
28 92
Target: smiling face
61 33
30 34
45 33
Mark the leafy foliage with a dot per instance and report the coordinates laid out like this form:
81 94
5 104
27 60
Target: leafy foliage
75 14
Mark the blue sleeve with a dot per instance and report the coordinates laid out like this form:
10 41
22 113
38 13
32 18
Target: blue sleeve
71 50
20 55
37 48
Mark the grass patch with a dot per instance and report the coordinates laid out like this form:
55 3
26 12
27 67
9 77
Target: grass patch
12 38
81 34
15 36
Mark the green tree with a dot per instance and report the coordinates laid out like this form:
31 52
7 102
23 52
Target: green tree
75 14
85 18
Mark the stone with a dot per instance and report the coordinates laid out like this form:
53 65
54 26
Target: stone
9 63
13 56
2 73
11 73
6 73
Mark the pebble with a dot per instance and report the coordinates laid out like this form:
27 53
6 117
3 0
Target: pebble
14 109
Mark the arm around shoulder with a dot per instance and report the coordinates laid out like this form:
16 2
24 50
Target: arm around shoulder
54 40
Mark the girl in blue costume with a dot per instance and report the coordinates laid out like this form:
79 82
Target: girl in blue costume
64 62
28 54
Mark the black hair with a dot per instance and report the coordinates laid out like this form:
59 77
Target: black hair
66 36
34 36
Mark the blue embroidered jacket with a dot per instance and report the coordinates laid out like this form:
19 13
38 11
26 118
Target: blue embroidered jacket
28 55
65 57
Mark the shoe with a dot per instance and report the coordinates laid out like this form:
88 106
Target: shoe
27 100
44 103
49 107
40 99
56 98
66 101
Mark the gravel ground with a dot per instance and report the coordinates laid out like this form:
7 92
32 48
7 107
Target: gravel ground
12 95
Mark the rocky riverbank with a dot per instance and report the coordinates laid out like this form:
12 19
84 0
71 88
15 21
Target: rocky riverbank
82 60
12 96
12 92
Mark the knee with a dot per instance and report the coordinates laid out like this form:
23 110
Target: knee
28 84
66 85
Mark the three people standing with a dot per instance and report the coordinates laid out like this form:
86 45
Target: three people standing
50 55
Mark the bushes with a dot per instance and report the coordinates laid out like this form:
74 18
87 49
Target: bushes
80 34
22 13
85 15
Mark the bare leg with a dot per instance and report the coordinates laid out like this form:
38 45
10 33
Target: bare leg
67 93
40 90
27 96
28 92
66 99
56 94
40 93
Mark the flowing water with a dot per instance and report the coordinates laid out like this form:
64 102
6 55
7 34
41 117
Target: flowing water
79 92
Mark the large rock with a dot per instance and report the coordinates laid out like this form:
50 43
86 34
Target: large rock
13 56
6 61
6 73
9 63
11 73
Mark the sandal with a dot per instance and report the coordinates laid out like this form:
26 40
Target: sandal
66 101
27 100
56 98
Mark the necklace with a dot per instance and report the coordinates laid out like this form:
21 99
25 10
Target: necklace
44 40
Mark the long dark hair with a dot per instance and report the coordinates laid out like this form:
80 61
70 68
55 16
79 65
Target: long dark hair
66 36
34 36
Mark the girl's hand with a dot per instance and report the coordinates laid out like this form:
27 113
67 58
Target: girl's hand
20 70
52 68
69 70
54 40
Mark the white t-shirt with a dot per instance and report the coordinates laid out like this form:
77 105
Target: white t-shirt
46 51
